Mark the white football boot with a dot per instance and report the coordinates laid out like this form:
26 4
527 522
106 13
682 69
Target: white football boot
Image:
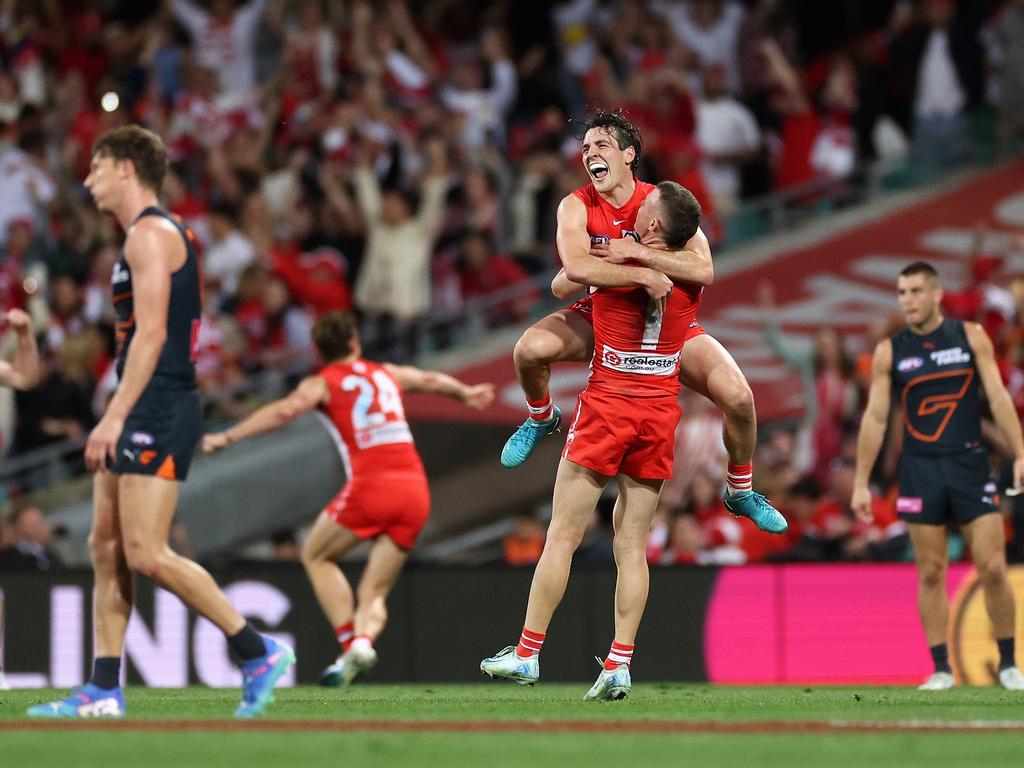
509 665
938 681
1011 679
610 685
359 658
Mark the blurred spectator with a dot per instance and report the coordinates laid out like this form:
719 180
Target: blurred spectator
276 331
224 40
937 73
26 183
699 439
523 546
829 393
285 546
728 138
229 251
393 289
30 550
711 29
486 274
1008 62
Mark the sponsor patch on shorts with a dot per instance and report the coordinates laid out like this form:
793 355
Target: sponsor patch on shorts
909 504
141 438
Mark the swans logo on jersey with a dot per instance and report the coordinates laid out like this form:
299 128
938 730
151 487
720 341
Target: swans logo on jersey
909 364
642 363
120 274
950 356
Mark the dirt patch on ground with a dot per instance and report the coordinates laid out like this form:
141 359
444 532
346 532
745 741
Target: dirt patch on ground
526 726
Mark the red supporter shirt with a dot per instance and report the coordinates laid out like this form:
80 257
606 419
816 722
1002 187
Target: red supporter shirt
636 347
365 407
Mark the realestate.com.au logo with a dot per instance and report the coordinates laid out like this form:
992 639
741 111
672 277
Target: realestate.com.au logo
642 363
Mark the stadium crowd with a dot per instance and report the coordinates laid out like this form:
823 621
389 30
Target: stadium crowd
404 160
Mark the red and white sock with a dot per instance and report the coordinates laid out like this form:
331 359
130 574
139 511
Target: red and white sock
362 642
540 409
530 643
618 654
345 633
740 478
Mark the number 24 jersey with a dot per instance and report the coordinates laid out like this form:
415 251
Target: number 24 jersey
365 407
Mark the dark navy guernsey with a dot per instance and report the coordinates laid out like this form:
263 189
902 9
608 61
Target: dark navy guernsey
176 367
935 381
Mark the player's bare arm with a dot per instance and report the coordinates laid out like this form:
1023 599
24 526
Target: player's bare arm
999 399
872 428
311 392
412 379
23 371
153 249
584 269
692 264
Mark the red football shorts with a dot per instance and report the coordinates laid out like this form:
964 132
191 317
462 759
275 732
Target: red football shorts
693 332
584 308
394 505
635 436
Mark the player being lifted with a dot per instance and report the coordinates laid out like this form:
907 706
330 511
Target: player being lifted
594 228
386 498
142 447
933 368
623 428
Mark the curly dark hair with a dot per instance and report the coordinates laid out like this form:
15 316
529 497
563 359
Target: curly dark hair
626 133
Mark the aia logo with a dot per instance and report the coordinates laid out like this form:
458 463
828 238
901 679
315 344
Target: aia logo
909 364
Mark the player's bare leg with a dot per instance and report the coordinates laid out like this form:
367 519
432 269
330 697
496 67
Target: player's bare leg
113 592
930 556
382 568
113 595
638 499
146 505
327 541
561 336
707 368
987 540
632 516
577 490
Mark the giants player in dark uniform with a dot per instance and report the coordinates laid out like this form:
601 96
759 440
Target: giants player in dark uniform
933 369
142 447
598 249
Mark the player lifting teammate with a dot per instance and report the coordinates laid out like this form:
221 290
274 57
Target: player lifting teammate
386 498
932 368
598 221
142 447
624 428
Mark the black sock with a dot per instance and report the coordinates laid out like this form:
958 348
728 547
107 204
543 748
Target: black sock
940 657
1006 652
106 672
247 643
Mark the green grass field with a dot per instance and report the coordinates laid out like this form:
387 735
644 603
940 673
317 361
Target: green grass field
618 738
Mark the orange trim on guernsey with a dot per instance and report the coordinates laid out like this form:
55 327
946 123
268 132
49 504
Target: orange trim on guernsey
936 403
